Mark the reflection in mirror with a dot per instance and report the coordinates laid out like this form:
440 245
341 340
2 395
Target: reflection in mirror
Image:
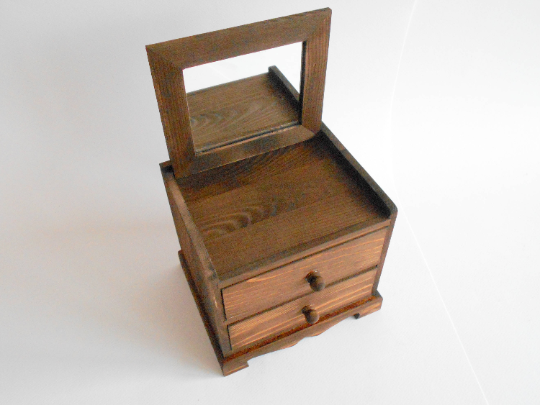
236 99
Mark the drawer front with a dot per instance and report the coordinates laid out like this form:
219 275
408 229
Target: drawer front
288 282
290 316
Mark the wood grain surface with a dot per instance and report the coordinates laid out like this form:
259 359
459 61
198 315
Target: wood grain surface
289 282
203 273
248 147
237 110
254 210
290 316
301 251
314 59
380 197
172 103
238 359
252 170
243 109
213 46
256 202
282 231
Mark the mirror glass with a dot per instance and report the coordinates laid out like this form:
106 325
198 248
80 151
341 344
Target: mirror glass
236 99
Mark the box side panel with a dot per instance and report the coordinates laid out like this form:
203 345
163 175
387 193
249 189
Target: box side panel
383 254
200 266
384 201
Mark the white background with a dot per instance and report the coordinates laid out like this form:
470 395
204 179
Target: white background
438 100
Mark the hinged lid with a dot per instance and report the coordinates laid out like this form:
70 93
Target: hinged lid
248 117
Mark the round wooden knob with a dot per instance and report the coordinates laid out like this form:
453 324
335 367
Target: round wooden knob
316 281
312 316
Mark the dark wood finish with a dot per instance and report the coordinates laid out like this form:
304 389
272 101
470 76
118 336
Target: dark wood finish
223 44
203 274
286 283
316 281
238 360
285 200
209 324
172 101
292 337
268 239
314 57
246 148
306 250
311 314
283 233
291 316
249 174
168 59
381 199
238 110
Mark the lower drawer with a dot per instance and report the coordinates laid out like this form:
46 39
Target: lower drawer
293 314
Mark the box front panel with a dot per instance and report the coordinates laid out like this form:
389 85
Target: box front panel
292 315
291 281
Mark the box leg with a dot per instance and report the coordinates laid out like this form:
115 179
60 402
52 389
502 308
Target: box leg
232 366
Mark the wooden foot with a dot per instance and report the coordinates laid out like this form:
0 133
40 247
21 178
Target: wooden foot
232 366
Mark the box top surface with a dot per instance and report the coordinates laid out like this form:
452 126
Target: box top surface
252 213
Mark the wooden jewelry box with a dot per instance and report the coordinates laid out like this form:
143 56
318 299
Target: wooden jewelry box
283 233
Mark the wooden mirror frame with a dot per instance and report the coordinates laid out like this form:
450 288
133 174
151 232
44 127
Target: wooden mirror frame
169 59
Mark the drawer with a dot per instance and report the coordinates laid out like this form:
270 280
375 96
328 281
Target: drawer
291 281
293 314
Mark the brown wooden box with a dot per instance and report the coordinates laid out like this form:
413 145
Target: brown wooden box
283 233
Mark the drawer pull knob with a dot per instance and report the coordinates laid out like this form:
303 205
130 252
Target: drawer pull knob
312 316
316 281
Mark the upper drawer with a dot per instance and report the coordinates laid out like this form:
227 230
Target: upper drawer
290 281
